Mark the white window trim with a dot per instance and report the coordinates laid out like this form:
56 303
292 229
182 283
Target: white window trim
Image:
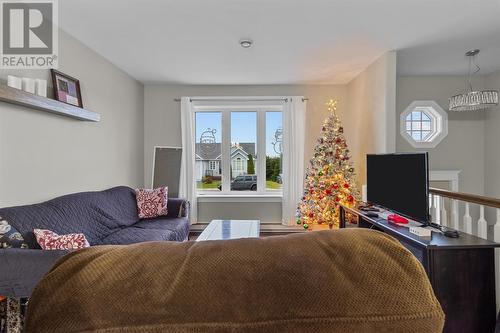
439 124
451 176
212 197
261 105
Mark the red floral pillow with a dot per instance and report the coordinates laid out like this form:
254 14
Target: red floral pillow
49 240
152 203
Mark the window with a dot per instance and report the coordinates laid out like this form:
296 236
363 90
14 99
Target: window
240 146
243 150
208 127
237 167
418 125
274 151
424 124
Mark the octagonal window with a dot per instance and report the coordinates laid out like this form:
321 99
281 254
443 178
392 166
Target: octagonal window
424 124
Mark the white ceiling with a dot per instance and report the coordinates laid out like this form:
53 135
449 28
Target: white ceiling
295 41
447 57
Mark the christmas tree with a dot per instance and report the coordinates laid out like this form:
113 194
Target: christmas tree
330 177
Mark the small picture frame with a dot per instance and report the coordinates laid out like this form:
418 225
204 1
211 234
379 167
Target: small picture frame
66 88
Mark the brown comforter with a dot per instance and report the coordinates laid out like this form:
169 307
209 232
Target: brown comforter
325 281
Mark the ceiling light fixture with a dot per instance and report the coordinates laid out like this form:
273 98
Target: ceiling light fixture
246 43
472 100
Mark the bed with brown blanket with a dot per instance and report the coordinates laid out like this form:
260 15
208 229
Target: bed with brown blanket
325 281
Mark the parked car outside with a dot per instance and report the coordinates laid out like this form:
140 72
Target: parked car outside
243 183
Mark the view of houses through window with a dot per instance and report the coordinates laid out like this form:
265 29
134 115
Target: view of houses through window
244 169
243 151
208 166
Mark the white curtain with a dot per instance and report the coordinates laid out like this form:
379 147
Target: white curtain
294 123
187 185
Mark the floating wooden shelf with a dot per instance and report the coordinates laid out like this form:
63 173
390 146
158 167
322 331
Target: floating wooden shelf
19 97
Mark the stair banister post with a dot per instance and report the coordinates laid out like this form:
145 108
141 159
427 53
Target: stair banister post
434 211
467 220
454 215
482 225
443 213
496 238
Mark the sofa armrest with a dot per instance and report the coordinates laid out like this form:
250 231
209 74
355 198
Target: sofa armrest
177 207
21 269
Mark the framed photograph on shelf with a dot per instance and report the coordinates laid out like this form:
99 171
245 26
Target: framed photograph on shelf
66 88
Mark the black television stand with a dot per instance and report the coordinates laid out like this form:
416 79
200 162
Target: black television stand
461 271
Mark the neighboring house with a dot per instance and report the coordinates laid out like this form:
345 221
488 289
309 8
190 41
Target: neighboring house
208 159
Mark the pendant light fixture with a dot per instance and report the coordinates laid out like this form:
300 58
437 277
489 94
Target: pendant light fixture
472 100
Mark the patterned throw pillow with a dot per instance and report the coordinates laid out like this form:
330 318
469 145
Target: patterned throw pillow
49 240
10 237
151 203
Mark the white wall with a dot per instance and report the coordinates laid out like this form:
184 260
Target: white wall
463 148
263 211
492 141
371 117
44 155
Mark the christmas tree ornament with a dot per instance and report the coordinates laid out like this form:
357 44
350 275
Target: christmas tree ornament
330 178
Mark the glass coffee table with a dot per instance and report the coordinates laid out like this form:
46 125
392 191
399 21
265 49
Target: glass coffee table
230 229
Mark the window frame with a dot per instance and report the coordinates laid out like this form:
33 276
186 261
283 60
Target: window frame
438 126
225 108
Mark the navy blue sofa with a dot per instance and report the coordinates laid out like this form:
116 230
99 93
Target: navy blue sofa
105 217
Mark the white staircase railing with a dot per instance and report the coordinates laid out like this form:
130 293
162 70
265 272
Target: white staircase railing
474 223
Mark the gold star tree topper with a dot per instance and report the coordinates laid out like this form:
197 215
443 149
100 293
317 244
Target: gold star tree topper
332 105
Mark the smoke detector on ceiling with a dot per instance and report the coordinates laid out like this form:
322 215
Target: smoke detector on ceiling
246 43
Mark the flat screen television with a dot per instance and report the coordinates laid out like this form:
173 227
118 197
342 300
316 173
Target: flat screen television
399 183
